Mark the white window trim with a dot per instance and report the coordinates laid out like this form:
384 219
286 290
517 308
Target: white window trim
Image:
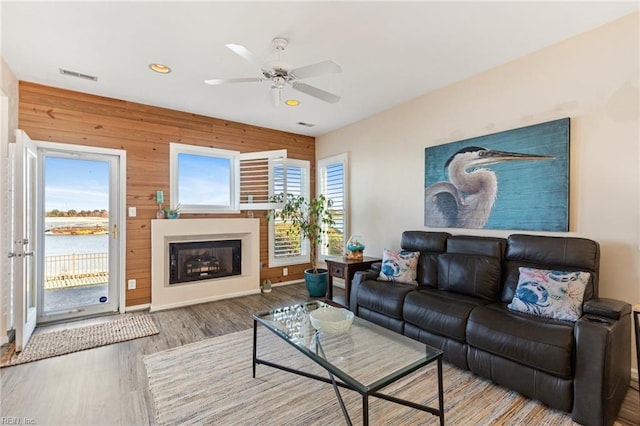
237 160
294 260
177 148
321 164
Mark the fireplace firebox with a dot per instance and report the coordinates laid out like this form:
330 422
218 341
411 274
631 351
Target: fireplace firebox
204 260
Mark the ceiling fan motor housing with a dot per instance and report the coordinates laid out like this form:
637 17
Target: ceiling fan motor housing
280 43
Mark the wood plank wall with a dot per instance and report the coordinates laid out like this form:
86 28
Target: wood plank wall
144 132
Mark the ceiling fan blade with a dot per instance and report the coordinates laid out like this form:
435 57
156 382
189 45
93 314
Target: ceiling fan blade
248 56
315 92
234 80
321 68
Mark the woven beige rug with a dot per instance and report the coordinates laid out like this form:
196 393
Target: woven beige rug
55 343
209 382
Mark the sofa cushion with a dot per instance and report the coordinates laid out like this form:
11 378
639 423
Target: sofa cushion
429 244
550 294
382 297
400 267
471 244
540 343
477 276
440 312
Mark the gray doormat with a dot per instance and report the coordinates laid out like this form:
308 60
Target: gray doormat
55 343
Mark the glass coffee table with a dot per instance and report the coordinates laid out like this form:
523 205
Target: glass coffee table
364 359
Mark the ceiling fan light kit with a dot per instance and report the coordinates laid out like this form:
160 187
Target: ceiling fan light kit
280 74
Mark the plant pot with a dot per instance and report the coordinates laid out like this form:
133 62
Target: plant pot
316 283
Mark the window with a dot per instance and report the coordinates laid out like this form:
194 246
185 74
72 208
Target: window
209 180
291 177
332 182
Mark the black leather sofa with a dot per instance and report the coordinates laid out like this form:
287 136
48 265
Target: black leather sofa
460 306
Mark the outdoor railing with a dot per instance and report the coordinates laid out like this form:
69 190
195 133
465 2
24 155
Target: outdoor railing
70 270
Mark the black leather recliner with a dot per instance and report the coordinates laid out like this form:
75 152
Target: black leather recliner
460 306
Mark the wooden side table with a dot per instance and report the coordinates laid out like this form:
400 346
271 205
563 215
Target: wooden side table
342 268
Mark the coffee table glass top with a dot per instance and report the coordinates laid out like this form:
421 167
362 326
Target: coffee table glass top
367 357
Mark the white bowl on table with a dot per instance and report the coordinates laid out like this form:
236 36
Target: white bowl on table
331 320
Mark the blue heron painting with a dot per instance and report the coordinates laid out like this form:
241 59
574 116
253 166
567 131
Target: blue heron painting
517 180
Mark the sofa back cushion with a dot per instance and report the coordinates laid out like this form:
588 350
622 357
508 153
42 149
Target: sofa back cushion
483 246
429 244
468 274
567 254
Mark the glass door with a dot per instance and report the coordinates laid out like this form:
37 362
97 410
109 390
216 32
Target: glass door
79 234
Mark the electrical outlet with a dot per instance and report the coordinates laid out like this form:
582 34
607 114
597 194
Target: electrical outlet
132 212
131 285
285 272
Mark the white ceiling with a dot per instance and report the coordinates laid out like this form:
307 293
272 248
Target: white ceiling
390 52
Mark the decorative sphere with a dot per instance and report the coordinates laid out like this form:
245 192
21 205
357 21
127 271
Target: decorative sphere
355 243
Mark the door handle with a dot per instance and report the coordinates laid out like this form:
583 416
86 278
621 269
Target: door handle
29 254
12 254
115 231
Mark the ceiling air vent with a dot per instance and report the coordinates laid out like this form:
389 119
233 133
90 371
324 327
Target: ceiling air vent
78 74
302 123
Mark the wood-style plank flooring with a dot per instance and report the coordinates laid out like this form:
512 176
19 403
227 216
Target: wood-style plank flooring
108 385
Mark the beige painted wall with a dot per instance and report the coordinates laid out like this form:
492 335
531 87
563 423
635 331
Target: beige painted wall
9 88
592 78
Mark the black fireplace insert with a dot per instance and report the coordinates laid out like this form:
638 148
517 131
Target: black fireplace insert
204 260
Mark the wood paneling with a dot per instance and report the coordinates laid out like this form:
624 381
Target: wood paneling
144 132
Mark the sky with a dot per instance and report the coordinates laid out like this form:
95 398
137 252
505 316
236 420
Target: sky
76 184
204 180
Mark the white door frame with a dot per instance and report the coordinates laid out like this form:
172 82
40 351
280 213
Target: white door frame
122 199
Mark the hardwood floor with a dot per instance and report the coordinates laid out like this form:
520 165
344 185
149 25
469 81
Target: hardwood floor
108 385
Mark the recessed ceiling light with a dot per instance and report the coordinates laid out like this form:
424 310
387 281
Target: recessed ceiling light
162 69
292 102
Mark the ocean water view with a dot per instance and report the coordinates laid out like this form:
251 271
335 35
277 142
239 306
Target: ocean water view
60 244
55 245
68 254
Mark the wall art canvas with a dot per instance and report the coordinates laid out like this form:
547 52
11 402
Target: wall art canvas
516 179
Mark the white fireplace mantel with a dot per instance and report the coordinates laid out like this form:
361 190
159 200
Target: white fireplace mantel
165 231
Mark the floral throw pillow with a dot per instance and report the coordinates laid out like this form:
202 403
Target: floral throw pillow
550 294
399 267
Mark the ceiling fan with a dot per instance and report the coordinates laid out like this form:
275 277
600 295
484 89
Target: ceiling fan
280 73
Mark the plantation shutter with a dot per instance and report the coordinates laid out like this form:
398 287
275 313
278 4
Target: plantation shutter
259 178
332 182
286 247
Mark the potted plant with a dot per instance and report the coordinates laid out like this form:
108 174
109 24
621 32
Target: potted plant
311 219
172 213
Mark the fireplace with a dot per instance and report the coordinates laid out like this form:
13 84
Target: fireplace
164 233
204 260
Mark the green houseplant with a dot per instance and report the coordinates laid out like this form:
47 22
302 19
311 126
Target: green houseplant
311 219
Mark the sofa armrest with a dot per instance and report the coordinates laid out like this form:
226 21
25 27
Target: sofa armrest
603 363
359 277
608 308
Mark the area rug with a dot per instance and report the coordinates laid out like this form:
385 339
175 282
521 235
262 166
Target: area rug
61 342
210 382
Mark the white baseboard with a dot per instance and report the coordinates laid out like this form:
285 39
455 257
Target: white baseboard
134 308
283 283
